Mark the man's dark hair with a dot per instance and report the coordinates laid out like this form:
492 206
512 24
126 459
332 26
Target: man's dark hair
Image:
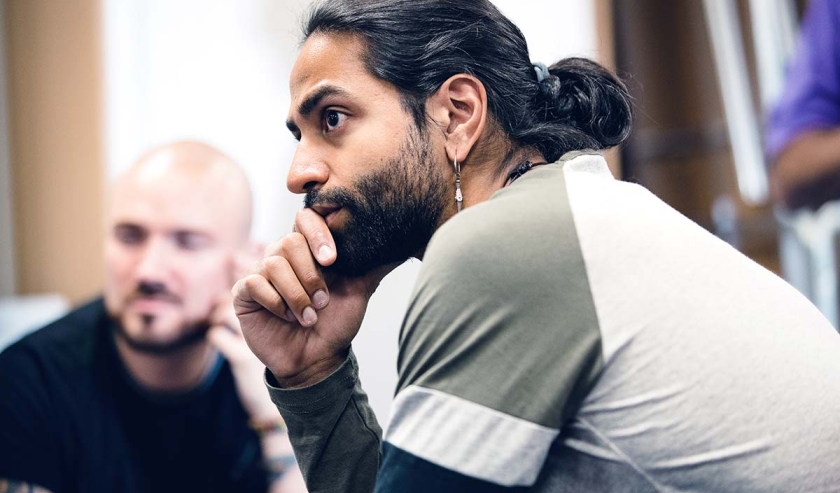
416 45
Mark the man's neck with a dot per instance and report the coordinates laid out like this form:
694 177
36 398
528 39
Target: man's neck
480 182
176 372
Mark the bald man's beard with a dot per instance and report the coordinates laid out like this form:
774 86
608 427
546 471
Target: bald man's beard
392 212
188 336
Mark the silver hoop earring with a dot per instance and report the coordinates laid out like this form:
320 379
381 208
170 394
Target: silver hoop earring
459 198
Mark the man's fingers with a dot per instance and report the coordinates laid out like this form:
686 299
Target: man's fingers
306 270
256 289
279 272
291 270
294 248
312 226
224 313
222 339
231 345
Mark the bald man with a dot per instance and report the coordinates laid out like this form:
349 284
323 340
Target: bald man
151 387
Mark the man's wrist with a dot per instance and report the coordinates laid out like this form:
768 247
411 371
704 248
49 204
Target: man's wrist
277 466
313 374
266 426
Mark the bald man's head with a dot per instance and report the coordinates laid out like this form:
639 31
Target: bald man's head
192 171
176 220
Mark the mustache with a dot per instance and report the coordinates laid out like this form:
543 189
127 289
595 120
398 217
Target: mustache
338 196
154 290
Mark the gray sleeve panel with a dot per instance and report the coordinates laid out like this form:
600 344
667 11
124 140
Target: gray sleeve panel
502 314
333 430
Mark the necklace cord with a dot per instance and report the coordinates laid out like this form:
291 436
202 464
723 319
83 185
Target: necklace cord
521 170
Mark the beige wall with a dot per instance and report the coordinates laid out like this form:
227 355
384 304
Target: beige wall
605 30
7 236
55 106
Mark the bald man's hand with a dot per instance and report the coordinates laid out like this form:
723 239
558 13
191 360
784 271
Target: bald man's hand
298 321
226 336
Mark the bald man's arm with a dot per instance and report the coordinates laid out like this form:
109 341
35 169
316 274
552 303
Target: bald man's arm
12 486
283 470
279 460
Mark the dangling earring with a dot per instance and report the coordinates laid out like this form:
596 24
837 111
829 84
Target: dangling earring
459 198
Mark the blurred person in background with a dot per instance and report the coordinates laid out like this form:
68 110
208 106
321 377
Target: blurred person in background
803 132
151 388
568 332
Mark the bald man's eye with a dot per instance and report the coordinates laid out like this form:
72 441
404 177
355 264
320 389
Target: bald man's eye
129 234
333 119
187 240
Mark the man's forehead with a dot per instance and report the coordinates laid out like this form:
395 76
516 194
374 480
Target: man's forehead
333 59
162 204
172 201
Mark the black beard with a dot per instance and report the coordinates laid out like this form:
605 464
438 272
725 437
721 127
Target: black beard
195 334
392 212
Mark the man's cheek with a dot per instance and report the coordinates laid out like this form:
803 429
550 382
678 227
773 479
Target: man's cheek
204 296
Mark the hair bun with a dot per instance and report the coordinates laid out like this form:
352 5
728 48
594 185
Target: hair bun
586 96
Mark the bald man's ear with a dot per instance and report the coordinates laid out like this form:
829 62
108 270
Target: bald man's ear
459 107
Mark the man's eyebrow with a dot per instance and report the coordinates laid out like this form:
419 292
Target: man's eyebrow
309 104
127 224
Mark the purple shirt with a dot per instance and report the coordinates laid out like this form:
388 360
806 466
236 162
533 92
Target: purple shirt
811 99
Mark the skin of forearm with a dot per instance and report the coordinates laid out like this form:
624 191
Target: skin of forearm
811 161
279 456
10 486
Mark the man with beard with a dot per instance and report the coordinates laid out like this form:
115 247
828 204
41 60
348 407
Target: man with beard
151 388
568 332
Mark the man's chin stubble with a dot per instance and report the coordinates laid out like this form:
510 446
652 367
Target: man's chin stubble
392 211
195 334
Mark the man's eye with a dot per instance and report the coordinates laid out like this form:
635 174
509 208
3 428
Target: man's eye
333 119
191 241
129 235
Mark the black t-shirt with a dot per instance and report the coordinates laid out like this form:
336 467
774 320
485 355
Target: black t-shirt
72 420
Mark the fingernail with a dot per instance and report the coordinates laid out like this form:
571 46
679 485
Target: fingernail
309 316
320 299
324 252
290 315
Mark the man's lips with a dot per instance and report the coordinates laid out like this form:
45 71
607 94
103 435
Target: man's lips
151 303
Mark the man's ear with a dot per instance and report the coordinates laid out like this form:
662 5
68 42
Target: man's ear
459 107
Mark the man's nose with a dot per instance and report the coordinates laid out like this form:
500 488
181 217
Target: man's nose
308 170
154 263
